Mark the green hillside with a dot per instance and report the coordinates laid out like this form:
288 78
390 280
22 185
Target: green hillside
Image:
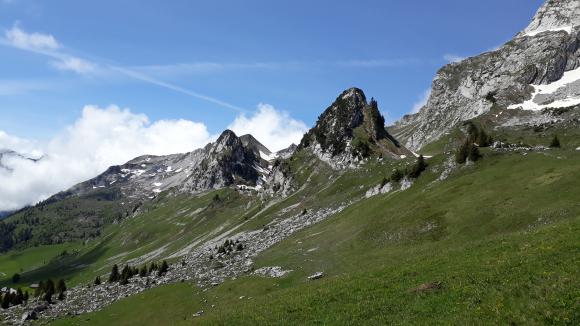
496 242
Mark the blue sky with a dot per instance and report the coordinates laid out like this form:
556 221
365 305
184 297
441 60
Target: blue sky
90 84
295 55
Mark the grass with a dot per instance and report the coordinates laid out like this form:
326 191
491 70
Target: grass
501 236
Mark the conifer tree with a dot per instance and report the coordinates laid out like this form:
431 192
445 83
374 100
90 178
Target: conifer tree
97 281
114 276
163 269
555 142
49 291
5 301
143 271
61 286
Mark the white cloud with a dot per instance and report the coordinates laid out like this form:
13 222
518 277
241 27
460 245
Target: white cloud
422 101
452 58
275 129
101 137
18 38
74 64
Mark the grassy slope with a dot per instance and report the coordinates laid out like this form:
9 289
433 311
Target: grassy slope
501 236
171 223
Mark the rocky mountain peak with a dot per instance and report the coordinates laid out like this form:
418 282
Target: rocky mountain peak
536 70
259 149
555 15
351 127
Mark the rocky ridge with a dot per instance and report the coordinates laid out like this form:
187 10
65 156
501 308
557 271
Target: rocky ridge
349 130
505 78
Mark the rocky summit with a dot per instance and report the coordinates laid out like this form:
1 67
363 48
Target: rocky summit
534 71
351 129
463 213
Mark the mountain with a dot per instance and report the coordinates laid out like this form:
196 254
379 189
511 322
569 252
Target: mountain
536 70
347 132
347 228
351 129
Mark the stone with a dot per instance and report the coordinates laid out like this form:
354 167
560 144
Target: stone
316 276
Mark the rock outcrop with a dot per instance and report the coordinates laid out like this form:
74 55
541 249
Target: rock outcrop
351 129
505 78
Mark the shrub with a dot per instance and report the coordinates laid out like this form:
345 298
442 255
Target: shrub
16 278
555 143
418 168
397 175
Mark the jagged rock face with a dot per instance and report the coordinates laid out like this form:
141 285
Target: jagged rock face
554 15
350 118
227 162
222 163
504 78
336 124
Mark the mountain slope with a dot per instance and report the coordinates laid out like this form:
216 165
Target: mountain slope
535 70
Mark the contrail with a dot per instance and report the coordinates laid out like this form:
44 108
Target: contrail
151 80
59 55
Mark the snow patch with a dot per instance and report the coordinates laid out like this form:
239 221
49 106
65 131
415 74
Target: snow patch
267 157
568 78
157 184
567 29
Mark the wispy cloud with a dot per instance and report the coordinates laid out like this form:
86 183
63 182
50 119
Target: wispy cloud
453 58
17 38
75 64
203 67
47 45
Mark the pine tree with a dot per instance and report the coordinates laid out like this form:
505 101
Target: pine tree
39 289
19 298
125 275
418 168
163 269
15 278
114 277
152 267
5 301
49 291
61 286
555 142
143 271
97 281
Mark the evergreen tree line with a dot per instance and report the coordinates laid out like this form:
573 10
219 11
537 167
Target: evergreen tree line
128 272
412 172
13 299
47 290
469 149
